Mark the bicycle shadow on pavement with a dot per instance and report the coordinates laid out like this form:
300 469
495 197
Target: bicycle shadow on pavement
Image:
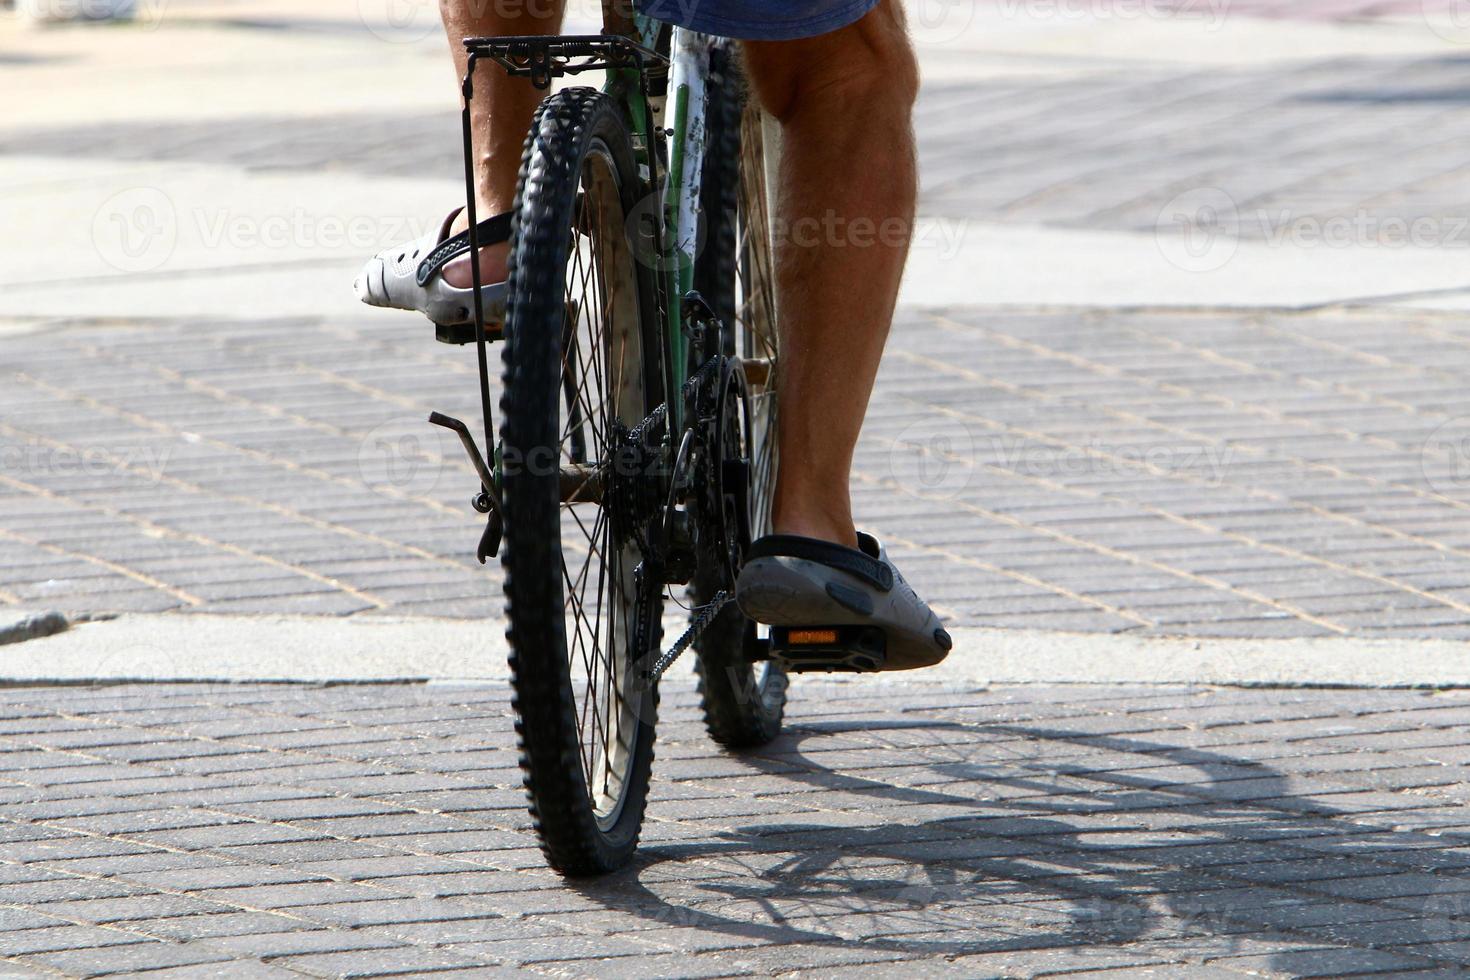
1219 848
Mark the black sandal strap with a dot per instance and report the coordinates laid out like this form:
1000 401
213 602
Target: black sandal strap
849 560
491 231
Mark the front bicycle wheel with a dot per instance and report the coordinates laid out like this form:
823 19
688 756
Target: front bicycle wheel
580 368
743 700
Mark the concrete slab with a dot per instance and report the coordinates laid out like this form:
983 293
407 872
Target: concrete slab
376 649
970 262
161 240
176 239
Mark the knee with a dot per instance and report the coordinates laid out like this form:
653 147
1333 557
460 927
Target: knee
866 68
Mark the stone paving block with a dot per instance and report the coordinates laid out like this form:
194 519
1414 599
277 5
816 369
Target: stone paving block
53 850
450 841
765 959
145 821
16 919
1411 933
142 906
130 958
383 865
1395 885
231 970
221 875
299 810
300 941
667 964
399 823
1331 962
377 962
385 911
485 928
299 851
311 893
126 864
188 928
226 835
579 953
481 882
63 890
63 937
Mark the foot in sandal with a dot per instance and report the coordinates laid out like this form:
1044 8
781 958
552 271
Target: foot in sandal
832 607
433 276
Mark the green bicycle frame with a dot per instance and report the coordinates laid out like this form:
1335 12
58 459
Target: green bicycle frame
676 187
678 242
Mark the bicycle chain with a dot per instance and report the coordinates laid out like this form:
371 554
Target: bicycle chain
696 626
638 436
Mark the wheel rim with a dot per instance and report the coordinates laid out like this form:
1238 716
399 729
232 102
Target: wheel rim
602 381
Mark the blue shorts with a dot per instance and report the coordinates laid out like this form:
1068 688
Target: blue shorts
759 20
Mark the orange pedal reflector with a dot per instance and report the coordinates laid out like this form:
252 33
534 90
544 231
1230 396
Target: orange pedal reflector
811 636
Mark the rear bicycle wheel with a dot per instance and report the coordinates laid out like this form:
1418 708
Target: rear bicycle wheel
743 701
580 367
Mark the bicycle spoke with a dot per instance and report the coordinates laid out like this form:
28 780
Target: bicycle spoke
597 360
582 721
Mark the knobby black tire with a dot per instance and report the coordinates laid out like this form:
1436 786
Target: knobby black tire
743 704
566 127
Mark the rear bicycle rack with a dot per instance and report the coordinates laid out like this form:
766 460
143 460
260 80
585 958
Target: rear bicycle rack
539 58
546 56
487 501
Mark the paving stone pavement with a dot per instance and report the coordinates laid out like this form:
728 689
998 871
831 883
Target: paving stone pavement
1254 474
1194 472
1373 140
911 829
1247 472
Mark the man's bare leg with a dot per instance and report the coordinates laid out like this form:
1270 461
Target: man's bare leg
504 107
845 206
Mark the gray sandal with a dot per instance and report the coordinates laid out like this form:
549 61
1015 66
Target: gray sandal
836 608
409 277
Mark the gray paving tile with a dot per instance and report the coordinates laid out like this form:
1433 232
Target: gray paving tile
902 834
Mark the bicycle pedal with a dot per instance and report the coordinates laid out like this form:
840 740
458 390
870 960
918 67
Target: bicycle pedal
847 649
464 333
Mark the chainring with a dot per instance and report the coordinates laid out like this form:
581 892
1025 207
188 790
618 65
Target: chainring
728 491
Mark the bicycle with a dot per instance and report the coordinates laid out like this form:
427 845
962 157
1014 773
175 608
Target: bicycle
637 449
